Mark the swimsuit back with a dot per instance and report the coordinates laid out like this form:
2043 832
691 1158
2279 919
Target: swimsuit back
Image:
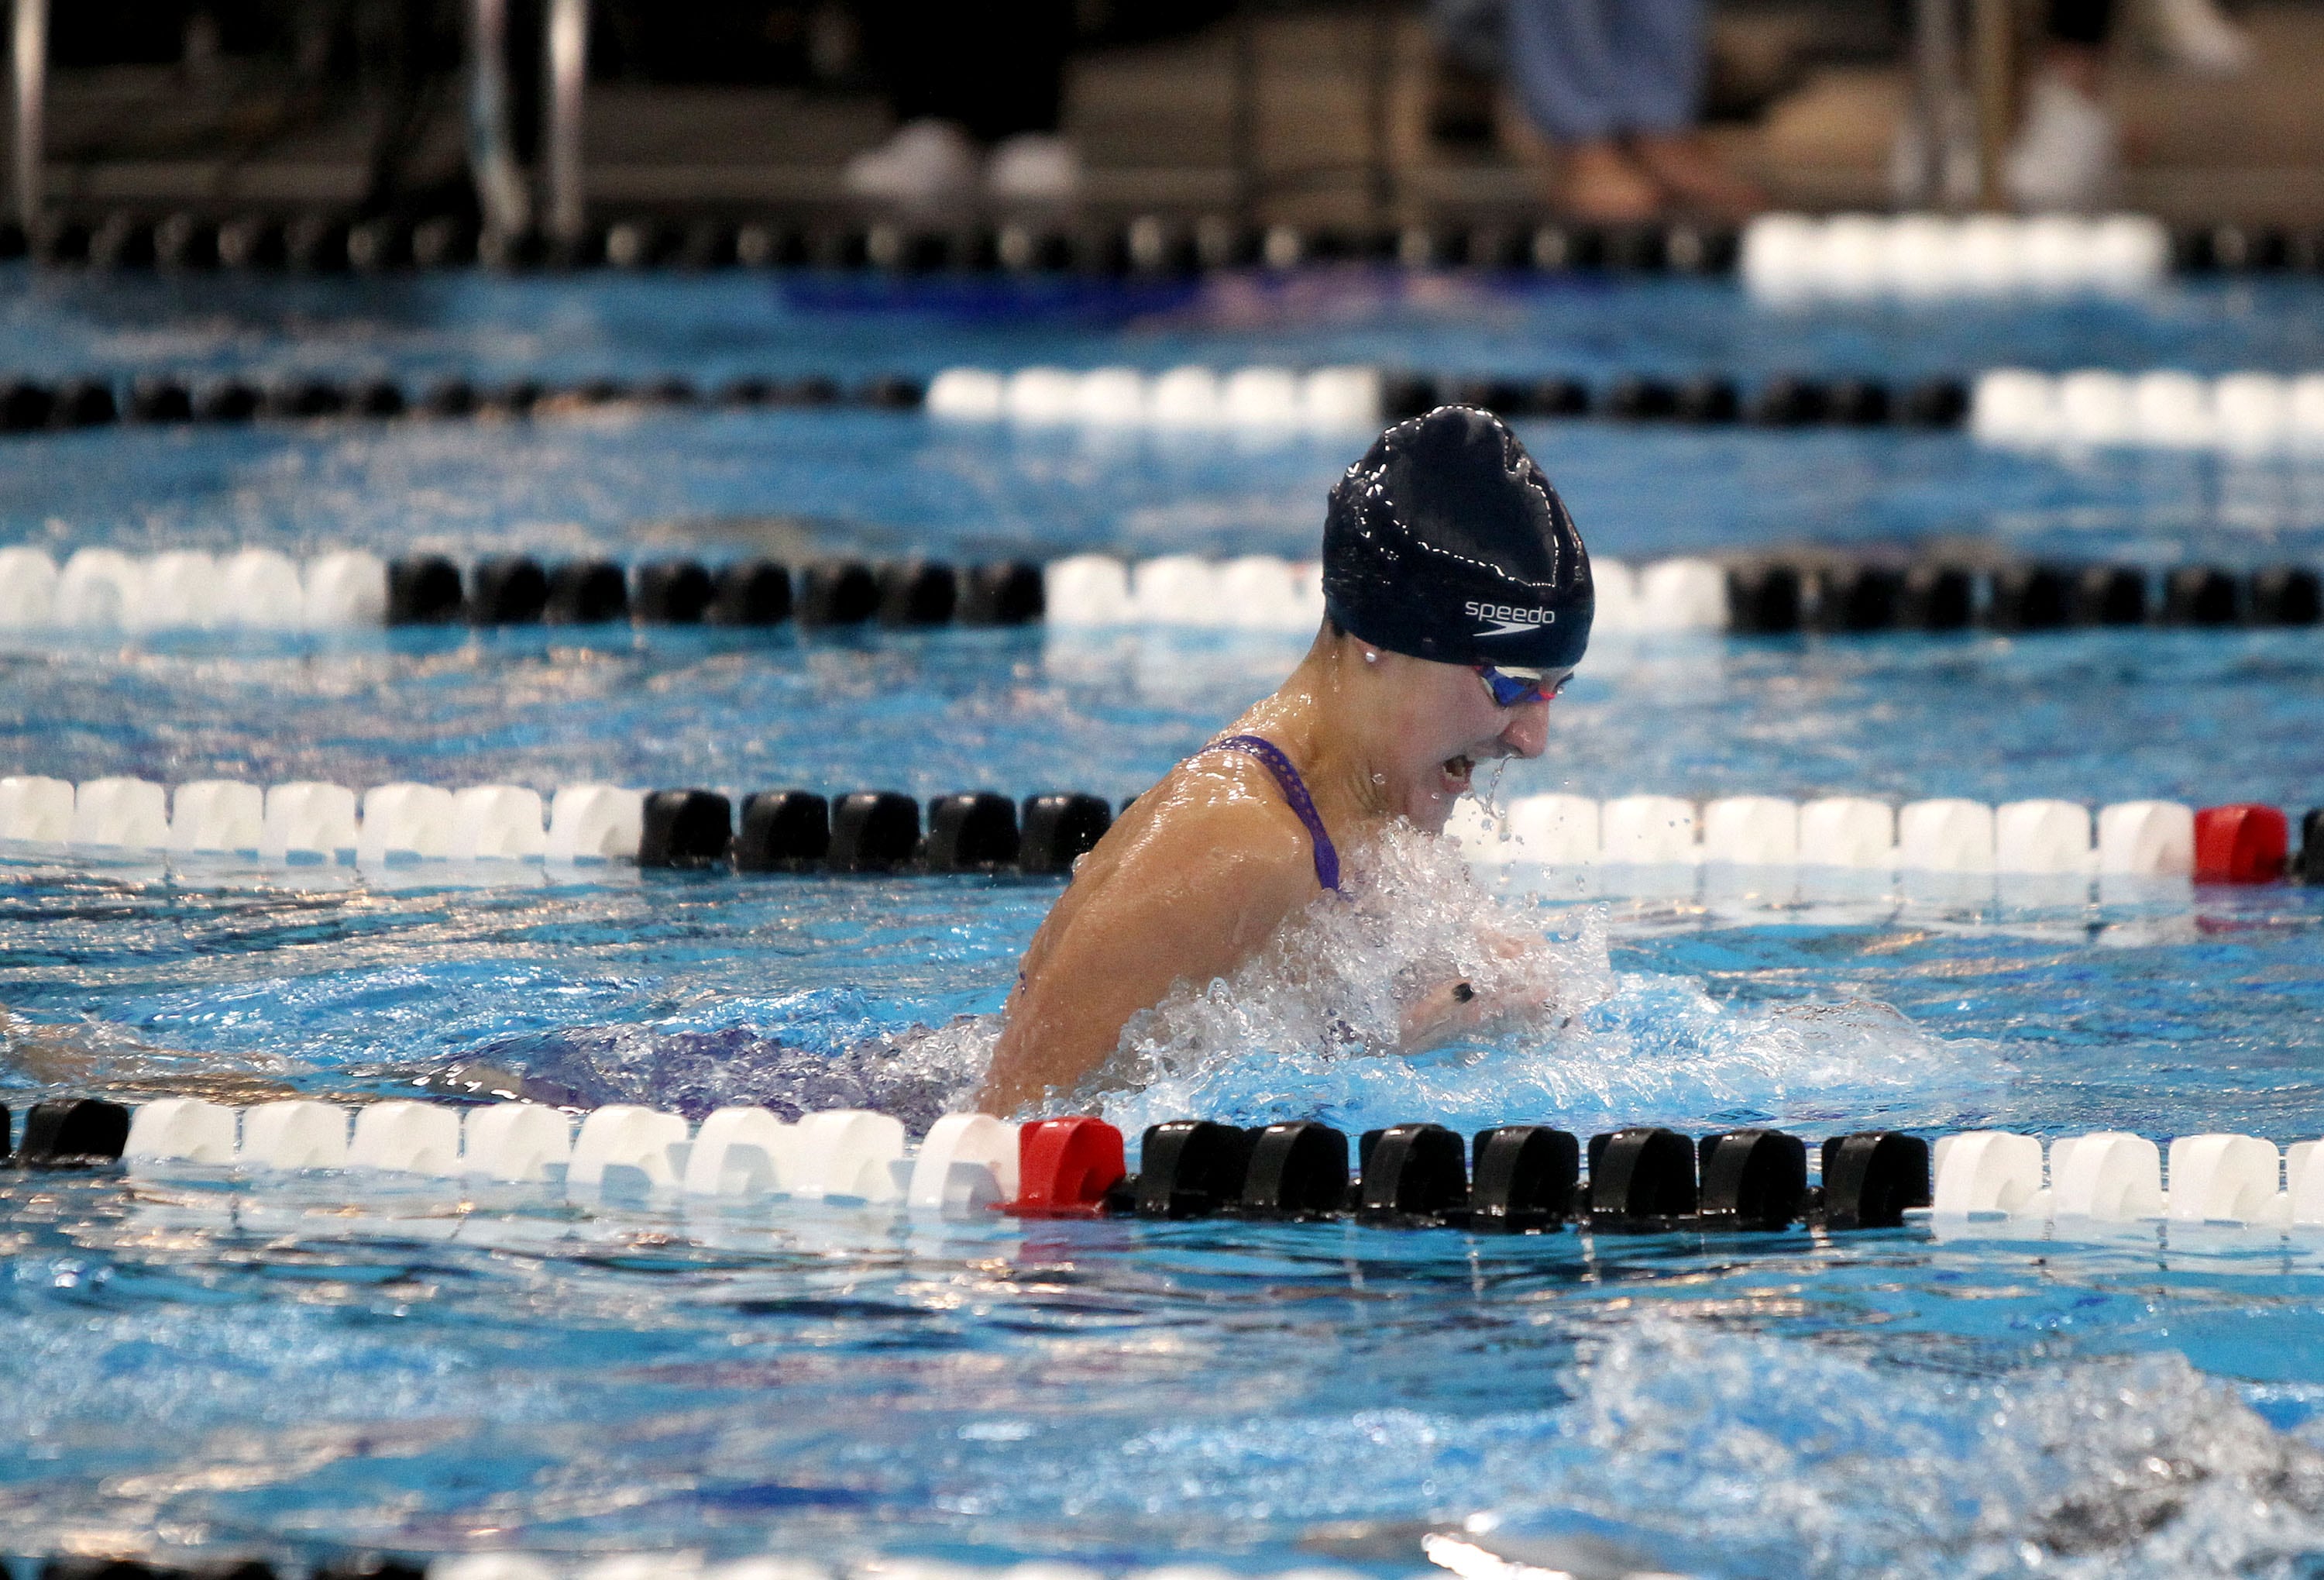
1295 792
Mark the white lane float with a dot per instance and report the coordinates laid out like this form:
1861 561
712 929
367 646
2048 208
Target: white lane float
2247 416
1986 1173
1268 403
293 1133
406 822
516 1143
744 1153
1794 258
2042 836
28 589
1556 830
1944 836
181 590
345 589
1647 831
968 1161
1751 831
595 822
2146 839
180 1130
2109 1177
1847 831
308 821
405 1137
103 590
122 814
260 589
218 815
624 1150
2224 1178
498 822
851 1155
36 809
99 589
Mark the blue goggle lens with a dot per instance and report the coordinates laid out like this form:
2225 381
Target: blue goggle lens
1515 690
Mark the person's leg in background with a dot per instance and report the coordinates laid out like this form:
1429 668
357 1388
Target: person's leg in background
1619 83
2068 153
1658 50
1560 58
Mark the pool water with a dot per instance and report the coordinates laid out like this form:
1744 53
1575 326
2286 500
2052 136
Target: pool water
295 1367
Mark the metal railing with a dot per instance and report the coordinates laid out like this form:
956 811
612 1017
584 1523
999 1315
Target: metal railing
567 68
29 52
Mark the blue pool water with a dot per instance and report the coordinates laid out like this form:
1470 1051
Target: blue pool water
256 1367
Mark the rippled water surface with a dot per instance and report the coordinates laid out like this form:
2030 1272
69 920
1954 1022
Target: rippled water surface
299 1364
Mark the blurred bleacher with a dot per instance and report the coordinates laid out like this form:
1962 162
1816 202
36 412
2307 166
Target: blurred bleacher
1324 113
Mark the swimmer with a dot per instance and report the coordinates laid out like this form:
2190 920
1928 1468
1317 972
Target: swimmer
1457 600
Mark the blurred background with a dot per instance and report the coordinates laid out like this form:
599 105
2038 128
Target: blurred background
529 118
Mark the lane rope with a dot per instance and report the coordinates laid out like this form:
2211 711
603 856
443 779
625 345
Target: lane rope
1787 257
1827 592
2249 415
1640 839
1521 1177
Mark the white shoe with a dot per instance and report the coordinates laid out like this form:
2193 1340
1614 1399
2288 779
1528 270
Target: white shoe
1034 167
2191 33
2067 154
926 163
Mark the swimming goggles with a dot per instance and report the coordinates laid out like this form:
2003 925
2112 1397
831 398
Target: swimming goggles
1516 687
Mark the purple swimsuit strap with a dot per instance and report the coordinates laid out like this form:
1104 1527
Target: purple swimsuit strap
1295 791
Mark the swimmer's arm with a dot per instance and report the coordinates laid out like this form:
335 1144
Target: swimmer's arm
1191 900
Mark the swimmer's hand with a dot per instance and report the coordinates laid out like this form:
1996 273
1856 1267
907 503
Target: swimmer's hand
1462 1008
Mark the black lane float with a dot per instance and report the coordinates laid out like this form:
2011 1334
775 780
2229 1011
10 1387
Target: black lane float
1512 1179
872 832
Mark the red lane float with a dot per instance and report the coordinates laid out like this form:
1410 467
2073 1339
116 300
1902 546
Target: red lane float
2241 843
1064 1166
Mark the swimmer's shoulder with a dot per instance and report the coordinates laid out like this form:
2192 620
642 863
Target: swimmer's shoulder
1204 862
1220 807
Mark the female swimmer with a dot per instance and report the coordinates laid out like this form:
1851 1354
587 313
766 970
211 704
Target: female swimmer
1457 600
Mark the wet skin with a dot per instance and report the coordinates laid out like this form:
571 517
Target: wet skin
1205 867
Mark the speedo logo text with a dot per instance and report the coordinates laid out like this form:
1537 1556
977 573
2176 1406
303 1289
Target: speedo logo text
1508 619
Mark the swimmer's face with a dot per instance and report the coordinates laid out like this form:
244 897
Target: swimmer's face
1444 723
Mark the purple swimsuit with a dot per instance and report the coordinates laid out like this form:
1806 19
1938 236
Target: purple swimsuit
1295 791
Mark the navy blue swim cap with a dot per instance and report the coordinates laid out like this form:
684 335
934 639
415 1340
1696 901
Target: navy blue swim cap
1446 542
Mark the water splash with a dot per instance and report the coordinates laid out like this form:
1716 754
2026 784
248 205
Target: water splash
1309 1026
1746 1454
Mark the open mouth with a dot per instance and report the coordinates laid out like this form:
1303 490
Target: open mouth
1457 770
